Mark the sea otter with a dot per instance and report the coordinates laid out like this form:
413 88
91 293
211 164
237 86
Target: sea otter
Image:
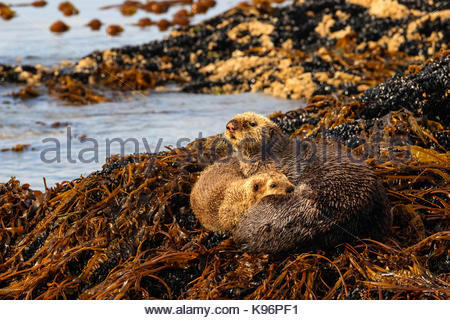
222 194
208 192
241 194
337 197
248 132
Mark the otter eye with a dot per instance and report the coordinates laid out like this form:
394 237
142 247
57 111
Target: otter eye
255 187
273 185
253 124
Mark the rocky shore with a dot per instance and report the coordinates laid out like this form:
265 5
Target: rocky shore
297 51
377 78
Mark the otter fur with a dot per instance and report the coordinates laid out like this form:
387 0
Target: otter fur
337 198
334 203
241 194
222 194
248 131
208 192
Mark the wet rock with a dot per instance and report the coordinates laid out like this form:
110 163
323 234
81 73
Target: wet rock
6 13
95 24
67 8
163 24
145 22
181 19
114 30
293 120
59 27
425 92
128 10
39 4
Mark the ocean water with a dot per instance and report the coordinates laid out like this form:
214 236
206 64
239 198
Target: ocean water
27 36
79 145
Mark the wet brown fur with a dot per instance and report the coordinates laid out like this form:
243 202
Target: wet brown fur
247 138
340 199
241 194
222 194
208 192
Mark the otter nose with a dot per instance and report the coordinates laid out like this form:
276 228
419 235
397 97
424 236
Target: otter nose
232 125
290 189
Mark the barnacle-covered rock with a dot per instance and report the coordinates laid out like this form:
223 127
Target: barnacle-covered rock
425 92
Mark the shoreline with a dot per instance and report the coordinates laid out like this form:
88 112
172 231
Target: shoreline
326 47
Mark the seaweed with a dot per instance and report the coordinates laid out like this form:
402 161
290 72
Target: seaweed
127 231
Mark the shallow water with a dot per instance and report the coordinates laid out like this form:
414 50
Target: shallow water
27 36
174 117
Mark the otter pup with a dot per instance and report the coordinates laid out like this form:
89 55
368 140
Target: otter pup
208 192
339 199
243 193
222 194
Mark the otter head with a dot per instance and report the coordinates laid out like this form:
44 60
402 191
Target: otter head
246 132
264 184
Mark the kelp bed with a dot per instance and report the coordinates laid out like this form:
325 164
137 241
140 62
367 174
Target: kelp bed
127 231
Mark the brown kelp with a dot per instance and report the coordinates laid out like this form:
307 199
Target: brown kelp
127 231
